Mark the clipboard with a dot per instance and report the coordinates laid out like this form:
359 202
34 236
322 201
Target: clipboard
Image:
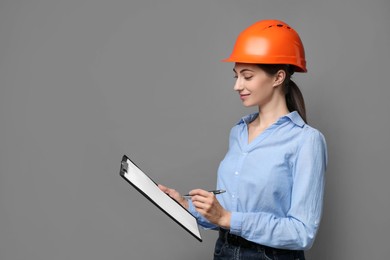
149 189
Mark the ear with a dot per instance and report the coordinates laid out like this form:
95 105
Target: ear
279 78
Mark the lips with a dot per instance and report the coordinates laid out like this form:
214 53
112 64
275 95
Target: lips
244 96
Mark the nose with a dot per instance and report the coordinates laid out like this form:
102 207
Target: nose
238 86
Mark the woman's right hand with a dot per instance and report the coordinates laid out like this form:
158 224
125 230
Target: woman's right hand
175 195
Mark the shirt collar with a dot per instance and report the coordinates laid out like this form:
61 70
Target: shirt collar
293 116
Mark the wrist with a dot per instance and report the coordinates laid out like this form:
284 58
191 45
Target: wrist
225 220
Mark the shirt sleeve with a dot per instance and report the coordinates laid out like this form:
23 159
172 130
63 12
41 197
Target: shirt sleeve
298 228
202 221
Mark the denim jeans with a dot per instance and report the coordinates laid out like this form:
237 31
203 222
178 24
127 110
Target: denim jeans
225 251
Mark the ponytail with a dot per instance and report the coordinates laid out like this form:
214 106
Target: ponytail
294 97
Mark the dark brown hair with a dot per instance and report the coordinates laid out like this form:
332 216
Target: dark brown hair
294 97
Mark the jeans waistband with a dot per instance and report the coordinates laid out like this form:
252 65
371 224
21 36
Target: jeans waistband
242 242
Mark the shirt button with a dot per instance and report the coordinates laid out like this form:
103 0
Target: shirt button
236 173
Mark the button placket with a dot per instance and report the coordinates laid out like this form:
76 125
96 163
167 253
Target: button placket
237 175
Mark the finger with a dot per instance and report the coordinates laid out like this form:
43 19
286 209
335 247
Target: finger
202 204
162 187
200 207
200 192
200 199
168 191
172 193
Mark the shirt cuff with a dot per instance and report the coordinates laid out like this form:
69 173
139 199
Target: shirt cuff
236 223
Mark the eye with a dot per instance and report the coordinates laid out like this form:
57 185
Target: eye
235 76
248 77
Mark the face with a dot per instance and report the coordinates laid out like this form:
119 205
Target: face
254 85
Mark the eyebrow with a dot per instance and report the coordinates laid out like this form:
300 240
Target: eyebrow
243 70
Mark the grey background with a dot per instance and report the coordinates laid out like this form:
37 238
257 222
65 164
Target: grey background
84 82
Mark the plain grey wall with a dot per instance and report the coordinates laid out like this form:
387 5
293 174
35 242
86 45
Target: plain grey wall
83 82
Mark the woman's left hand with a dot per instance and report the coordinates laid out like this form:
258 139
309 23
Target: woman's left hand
207 204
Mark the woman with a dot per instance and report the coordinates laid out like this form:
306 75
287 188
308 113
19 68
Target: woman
273 172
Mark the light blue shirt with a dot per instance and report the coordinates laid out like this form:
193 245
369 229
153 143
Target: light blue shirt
275 184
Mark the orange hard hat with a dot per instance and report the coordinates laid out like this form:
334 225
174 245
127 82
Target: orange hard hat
269 42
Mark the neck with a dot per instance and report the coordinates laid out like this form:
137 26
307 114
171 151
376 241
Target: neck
271 113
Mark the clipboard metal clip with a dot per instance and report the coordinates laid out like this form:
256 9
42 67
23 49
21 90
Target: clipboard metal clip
124 166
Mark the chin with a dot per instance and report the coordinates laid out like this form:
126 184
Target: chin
248 104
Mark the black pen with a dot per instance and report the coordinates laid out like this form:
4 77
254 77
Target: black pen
215 192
